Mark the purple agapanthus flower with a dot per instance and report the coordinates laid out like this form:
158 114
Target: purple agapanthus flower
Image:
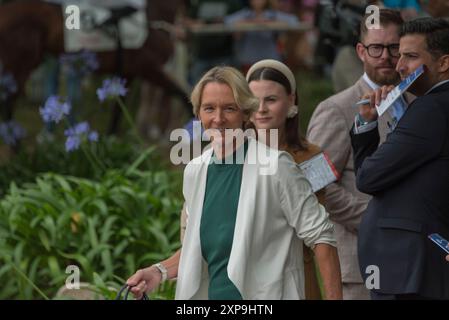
55 109
11 132
72 143
76 134
92 136
80 64
111 88
8 85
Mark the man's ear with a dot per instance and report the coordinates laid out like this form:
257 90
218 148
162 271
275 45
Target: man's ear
360 51
443 66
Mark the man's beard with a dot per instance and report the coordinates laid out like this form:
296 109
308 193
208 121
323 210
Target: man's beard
392 79
382 79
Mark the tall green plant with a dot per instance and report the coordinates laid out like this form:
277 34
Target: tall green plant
127 220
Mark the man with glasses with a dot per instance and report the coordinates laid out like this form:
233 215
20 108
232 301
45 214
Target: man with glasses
329 128
376 50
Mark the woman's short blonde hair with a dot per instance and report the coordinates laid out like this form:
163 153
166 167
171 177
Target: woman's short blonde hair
235 80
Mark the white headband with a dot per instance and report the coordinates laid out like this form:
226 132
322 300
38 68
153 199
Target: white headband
276 65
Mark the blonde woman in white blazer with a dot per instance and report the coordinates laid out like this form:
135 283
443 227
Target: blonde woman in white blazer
260 257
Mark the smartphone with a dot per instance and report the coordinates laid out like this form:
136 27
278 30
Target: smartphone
440 241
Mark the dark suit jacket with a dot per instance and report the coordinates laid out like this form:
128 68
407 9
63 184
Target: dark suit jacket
408 177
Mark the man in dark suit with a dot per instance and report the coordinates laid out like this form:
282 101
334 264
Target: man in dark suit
408 175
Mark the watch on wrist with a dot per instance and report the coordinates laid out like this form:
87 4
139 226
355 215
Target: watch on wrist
163 271
361 121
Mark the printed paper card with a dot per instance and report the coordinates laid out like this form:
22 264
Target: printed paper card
399 90
320 171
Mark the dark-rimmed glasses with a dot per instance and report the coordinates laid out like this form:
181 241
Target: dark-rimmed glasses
375 50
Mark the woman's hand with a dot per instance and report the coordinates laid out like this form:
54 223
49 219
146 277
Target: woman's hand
144 280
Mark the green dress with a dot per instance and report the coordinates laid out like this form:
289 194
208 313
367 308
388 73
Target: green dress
220 205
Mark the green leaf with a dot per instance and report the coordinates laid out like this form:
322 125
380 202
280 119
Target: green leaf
151 257
4 270
98 281
106 231
49 224
44 186
53 265
85 264
44 239
140 159
101 205
118 250
160 236
130 263
18 252
32 274
14 190
107 262
58 204
62 182
93 238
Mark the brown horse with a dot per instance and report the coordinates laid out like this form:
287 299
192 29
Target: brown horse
29 29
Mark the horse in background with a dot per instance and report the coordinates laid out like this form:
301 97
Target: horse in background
30 29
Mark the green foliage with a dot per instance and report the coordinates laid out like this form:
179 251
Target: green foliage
52 157
109 228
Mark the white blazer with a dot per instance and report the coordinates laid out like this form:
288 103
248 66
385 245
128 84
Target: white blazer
275 214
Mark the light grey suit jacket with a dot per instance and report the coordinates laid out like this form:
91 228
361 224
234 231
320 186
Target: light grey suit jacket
329 128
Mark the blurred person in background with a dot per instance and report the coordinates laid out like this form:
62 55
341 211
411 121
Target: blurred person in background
338 23
209 50
300 46
252 46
